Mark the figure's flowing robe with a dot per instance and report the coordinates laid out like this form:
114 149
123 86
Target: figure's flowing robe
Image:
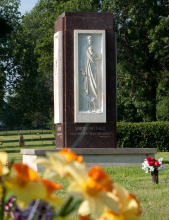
89 66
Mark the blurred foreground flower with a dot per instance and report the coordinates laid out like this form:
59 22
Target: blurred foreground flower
9 206
1 143
3 161
43 212
95 187
128 204
129 207
59 163
26 185
93 194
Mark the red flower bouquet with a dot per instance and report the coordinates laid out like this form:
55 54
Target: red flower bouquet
152 164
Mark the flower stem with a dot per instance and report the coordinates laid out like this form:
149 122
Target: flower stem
31 215
2 204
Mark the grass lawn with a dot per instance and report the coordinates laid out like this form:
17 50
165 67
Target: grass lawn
34 141
154 199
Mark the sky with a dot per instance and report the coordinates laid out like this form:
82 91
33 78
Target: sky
27 5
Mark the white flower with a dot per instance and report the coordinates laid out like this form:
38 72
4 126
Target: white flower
145 169
161 168
160 160
151 168
145 166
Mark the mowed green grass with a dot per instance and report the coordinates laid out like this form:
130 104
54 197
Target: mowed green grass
32 141
154 198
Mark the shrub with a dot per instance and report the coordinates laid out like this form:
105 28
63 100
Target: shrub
143 135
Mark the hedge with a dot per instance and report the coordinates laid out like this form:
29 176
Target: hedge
143 135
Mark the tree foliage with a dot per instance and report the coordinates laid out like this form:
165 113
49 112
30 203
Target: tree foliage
9 21
140 62
29 61
48 12
29 95
8 16
26 55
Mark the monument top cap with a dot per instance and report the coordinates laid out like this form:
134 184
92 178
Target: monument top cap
85 14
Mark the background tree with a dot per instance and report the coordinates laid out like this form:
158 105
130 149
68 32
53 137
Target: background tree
9 21
139 69
29 95
160 46
26 58
29 64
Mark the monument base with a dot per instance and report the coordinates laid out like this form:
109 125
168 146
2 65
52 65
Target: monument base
105 157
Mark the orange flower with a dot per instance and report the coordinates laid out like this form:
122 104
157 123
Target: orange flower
24 173
95 188
128 205
81 217
109 215
24 183
59 163
51 187
98 180
71 156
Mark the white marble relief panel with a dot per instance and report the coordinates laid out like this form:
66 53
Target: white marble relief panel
90 76
58 95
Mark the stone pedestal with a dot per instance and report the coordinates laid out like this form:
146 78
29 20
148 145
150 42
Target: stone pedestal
103 156
88 123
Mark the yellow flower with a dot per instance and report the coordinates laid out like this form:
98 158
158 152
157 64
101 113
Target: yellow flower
95 188
3 160
1 191
63 218
1 143
7 218
128 205
51 187
26 185
109 215
58 163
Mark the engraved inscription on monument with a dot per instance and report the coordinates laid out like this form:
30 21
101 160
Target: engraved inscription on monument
89 76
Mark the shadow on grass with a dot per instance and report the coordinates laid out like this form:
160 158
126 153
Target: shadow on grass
10 141
50 146
11 151
41 139
38 146
27 133
165 162
36 139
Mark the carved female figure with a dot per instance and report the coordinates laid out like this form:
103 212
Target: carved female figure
88 68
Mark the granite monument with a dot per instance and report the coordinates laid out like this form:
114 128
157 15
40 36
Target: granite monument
85 80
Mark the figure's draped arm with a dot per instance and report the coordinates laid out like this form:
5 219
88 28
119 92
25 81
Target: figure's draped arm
82 60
